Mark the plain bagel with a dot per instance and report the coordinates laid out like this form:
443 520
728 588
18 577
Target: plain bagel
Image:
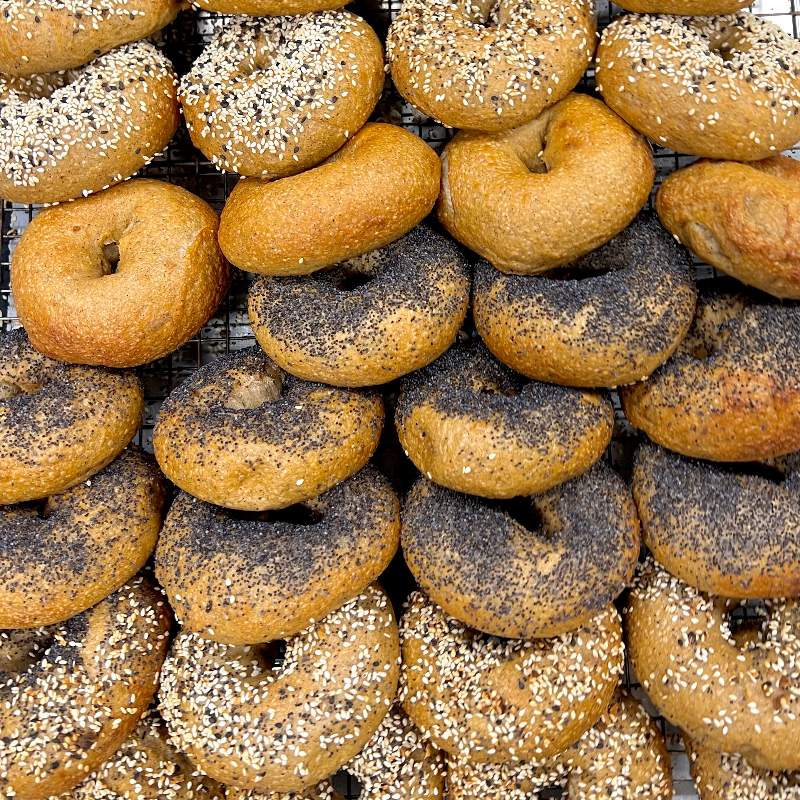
377 187
543 194
740 218
120 278
59 423
242 434
523 581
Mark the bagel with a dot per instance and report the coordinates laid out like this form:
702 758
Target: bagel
721 776
740 218
608 319
727 533
72 693
470 424
527 580
407 313
248 580
273 96
622 757
44 36
730 391
483 699
99 533
259 8
161 275
323 791
723 86
240 433
736 691
289 729
489 67
68 134
59 424
539 196
695 8
397 763
377 187
148 767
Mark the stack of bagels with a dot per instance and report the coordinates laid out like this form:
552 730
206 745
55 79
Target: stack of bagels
444 604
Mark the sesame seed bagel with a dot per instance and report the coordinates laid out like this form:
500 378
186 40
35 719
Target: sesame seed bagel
734 690
398 763
607 319
623 756
730 391
696 8
262 8
244 581
72 693
120 278
377 187
486 66
292 726
59 423
488 699
148 767
323 791
273 96
67 134
541 195
517 581
728 776
740 218
720 87
100 533
727 533
242 434
469 423
405 315
53 35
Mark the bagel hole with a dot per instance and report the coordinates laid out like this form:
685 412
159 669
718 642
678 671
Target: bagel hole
10 390
700 351
267 658
110 260
298 514
578 271
348 279
746 620
253 391
755 469
23 648
523 511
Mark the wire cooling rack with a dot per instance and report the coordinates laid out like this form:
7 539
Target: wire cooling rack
229 329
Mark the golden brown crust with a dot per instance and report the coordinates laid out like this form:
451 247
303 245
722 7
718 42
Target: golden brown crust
261 8
575 556
169 279
730 390
398 763
243 581
719 87
541 195
59 424
493 700
470 424
48 36
728 776
148 767
623 756
61 138
483 67
99 533
299 724
740 218
735 691
273 96
406 315
726 532
241 434
73 692
322 791
625 313
377 187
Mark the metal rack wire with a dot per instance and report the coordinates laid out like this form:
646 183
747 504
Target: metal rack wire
229 329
